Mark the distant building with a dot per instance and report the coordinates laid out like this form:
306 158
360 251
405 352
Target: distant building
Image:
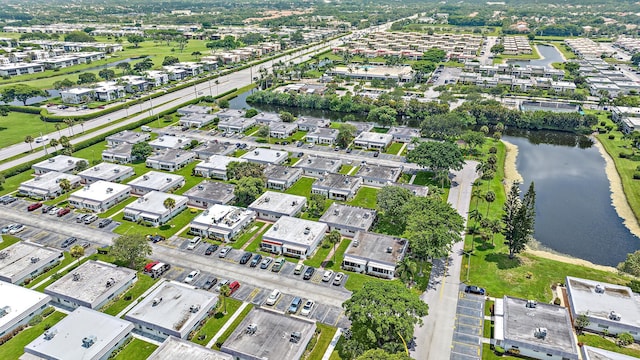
170 142
322 136
18 305
47 185
221 222
155 181
306 123
106 172
337 186
193 109
591 353
348 220
403 134
208 193
318 166
266 156
170 159
26 260
205 151
272 205
374 254
127 137
235 125
150 208
92 284
281 177
293 237
282 130
175 348
99 196
197 120
559 107
59 163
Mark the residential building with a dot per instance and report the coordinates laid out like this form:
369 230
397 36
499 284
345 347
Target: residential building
155 181
235 124
267 118
47 186
293 237
150 208
281 177
215 167
378 175
59 163
535 330
208 149
134 83
76 95
170 142
197 120
18 305
92 284
374 254
170 159
373 140
322 136
221 222
266 156
172 309
282 130
109 91
120 154
157 78
84 334
127 137
552 106
337 186
592 353
361 126
99 196
348 220
318 166
272 205
26 260
416 190
609 307
403 134
265 334
193 109
106 172
208 193
175 348
14 69
306 123
226 114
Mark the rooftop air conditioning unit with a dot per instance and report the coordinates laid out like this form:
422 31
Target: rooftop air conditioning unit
4 310
52 160
307 230
389 249
295 337
540 333
116 170
76 276
50 334
109 190
70 161
599 289
531 304
35 260
252 328
168 180
145 177
156 301
194 308
614 316
110 282
3 255
96 168
356 243
88 341
200 187
336 212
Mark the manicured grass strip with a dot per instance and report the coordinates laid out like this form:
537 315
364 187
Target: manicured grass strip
136 349
344 170
8 240
247 234
324 339
143 284
215 323
302 187
602 343
317 259
366 198
65 261
13 183
166 230
394 148
14 348
255 245
232 327
17 125
117 208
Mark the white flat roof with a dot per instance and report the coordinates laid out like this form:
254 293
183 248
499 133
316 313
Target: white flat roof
266 155
295 231
106 171
58 163
223 216
25 255
219 162
19 302
175 348
156 180
374 137
278 202
100 191
67 343
173 142
50 181
154 201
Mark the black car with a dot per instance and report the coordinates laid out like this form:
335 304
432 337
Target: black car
211 249
349 150
245 258
376 154
471 289
308 273
104 222
155 238
7 199
299 144
256 260
68 242
210 283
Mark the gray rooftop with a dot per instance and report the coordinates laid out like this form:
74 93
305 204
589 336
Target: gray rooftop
352 216
156 180
380 172
271 338
521 322
404 131
295 230
175 348
262 155
278 203
218 162
216 192
154 201
60 163
129 137
374 137
173 312
230 113
122 149
279 172
88 282
283 127
267 117
417 190
173 142
319 163
372 246
213 148
106 171
194 109
237 122
312 122
50 180
67 342
324 133
171 155
361 126
591 353
337 181
24 257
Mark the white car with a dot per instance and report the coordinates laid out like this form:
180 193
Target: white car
41 139
17 229
306 309
273 297
192 275
53 210
8 228
327 275
193 243
338 279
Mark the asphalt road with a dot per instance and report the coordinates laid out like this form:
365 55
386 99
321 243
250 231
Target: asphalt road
434 338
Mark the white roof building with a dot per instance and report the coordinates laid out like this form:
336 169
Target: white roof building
127 137
215 167
47 185
59 163
175 348
170 142
170 159
348 220
99 196
208 193
293 237
273 205
318 166
373 140
107 172
378 175
155 181
18 305
26 260
120 154
150 208
266 156
222 222
374 254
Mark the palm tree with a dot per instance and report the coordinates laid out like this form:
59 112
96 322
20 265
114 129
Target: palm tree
76 252
477 193
65 185
69 123
217 82
29 140
57 126
490 197
53 143
495 226
169 203
406 270
477 217
225 291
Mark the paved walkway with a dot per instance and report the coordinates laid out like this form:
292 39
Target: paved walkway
254 236
227 324
134 302
330 254
332 344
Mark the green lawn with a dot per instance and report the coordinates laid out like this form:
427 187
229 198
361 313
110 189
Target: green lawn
14 348
136 349
488 354
607 344
324 339
118 207
11 184
394 148
232 327
65 261
8 240
344 170
302 187
214 323
380 130
255 244
166 230
143 284
319 256
17 125
366 197
248 233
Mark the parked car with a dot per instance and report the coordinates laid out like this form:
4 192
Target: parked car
34 206
327 275
245 258
306 309
80 218
295 305
193 243
8 199
158 269
192 275
224 252
85 244
273 297
155 238
53 210
277 265
349 150
298 270
234 286
266 262
46 208
376 154
210 283
91 218
41 139
68 242
211 249
6 229
104 222
308 273
17 229
337 281
65 211
149 266
256 260
472 289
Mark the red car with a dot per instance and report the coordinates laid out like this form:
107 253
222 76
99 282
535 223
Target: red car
63 212
233 287
150 266
34 206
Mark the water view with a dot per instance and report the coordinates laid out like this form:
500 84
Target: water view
548 53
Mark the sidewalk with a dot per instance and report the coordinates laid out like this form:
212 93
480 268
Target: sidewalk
332 344
227 324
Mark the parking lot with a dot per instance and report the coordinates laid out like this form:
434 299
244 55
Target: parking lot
467 344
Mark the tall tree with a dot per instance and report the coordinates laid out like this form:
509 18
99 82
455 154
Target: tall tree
390 200
76 252
135 39
247 190
125 66
631 265
107 74
518 218
20 92
489 197
225 291
53 143
384 116
346 134
141 151
286 116
334 237
65 186
407 269
238 170
439 157
131 249
382 313
29 140
169 203
87 78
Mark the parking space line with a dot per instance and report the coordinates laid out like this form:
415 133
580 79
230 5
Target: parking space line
252 294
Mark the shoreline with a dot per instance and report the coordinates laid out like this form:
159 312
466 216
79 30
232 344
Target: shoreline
618 197
511 174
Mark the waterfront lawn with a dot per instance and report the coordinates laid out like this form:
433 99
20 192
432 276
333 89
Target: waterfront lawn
607 344
216 322
366 197
14 348
136 349
8 240
232 327
143 284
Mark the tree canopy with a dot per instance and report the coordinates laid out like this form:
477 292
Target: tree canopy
632 264
391 200
248 190
346 134
439 157
79 36
87 78
20 92
131 249
384 116
238 170
519 218
141 150
135 39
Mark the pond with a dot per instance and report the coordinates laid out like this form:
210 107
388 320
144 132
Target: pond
549 55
